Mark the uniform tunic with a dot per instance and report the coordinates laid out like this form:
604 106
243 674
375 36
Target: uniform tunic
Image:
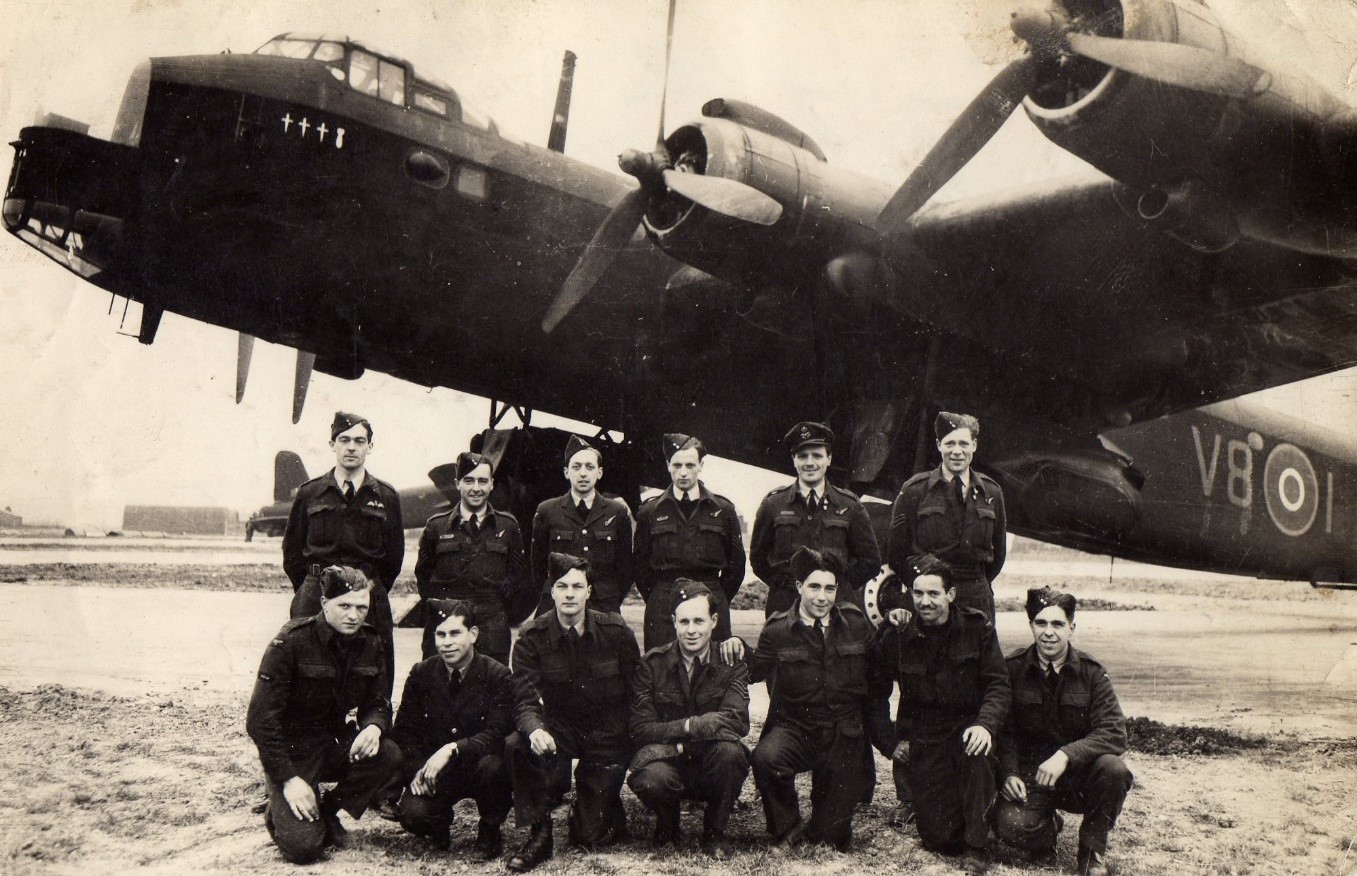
784 522
705 546
928 517
579 691
951 677
482 564
603 537
824 697
365 533
477 713
709 760
1080 716
309 681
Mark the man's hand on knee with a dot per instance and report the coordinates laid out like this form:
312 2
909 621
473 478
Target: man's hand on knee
542 742
301 799
366 743
1014 790
977 740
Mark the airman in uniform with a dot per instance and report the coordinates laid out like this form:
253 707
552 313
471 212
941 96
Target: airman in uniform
689 716
954 513
587 524
347 517
456 711
474 553
811 513
316 673
1062 745
825 698
954 699
574 668
686 532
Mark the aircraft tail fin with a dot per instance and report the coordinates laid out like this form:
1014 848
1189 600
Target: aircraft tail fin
289 473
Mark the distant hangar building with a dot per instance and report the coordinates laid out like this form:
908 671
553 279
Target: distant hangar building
10 520
184 519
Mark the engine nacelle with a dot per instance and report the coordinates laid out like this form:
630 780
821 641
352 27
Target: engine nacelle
1270 158
1095 496
823 206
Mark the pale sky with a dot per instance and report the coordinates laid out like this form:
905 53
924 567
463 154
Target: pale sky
94 421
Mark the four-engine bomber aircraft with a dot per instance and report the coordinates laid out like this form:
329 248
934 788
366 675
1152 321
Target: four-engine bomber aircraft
330 197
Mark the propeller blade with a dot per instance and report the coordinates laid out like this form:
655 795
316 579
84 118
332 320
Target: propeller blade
608 240
981 119
664 89
1173 64
725 196
244 352
301 381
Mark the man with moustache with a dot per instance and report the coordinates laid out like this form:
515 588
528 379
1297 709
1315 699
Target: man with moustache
317 672
1062 745
824 698
954 698
587 524
574 669
689 715
811 513
474 553
954 513
455 713
347 517
686 532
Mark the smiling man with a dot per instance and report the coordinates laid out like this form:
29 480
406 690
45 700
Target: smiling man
954 698
584 523
316 673
689 715
346 517
686 532
954 513
1062 745
574 669
811 513
823 695
474 553
455 713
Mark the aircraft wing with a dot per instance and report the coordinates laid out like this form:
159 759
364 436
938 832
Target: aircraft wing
1068 285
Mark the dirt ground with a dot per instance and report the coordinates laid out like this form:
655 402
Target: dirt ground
96 783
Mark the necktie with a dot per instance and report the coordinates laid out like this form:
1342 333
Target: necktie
472 525
582 509
820 628
1051 675
686 504
813 501
454 683
348 490
960 491
693 670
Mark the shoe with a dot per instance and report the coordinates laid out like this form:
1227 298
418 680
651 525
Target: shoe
664 835
535 849
975 862
1091 863
489 841
718 847
900 815
336 835
793 838
387 810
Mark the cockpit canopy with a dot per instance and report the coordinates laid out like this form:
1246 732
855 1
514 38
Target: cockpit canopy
381 76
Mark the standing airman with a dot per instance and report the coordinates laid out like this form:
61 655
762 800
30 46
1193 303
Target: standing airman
686 532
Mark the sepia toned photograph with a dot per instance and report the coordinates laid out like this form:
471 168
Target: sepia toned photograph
675 436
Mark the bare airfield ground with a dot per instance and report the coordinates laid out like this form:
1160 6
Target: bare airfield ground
121 721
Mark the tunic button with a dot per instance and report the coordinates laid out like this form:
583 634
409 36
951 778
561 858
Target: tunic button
586 548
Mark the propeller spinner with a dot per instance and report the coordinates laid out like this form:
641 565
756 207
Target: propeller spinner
658 176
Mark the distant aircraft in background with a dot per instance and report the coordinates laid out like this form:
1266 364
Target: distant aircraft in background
329 197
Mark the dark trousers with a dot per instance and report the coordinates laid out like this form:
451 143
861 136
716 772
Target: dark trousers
953 792
973 590
1096 790
659 621
837 781
360 783
596 817
306 603
713 772
485 780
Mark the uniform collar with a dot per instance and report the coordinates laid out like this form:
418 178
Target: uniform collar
966 478
558 631
805 621
1033 659
486 511
700 493
704 657
357 482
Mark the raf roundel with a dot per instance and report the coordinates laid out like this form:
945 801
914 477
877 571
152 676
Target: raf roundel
1291 489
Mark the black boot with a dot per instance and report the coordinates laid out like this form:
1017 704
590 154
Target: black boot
536 849
489 841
